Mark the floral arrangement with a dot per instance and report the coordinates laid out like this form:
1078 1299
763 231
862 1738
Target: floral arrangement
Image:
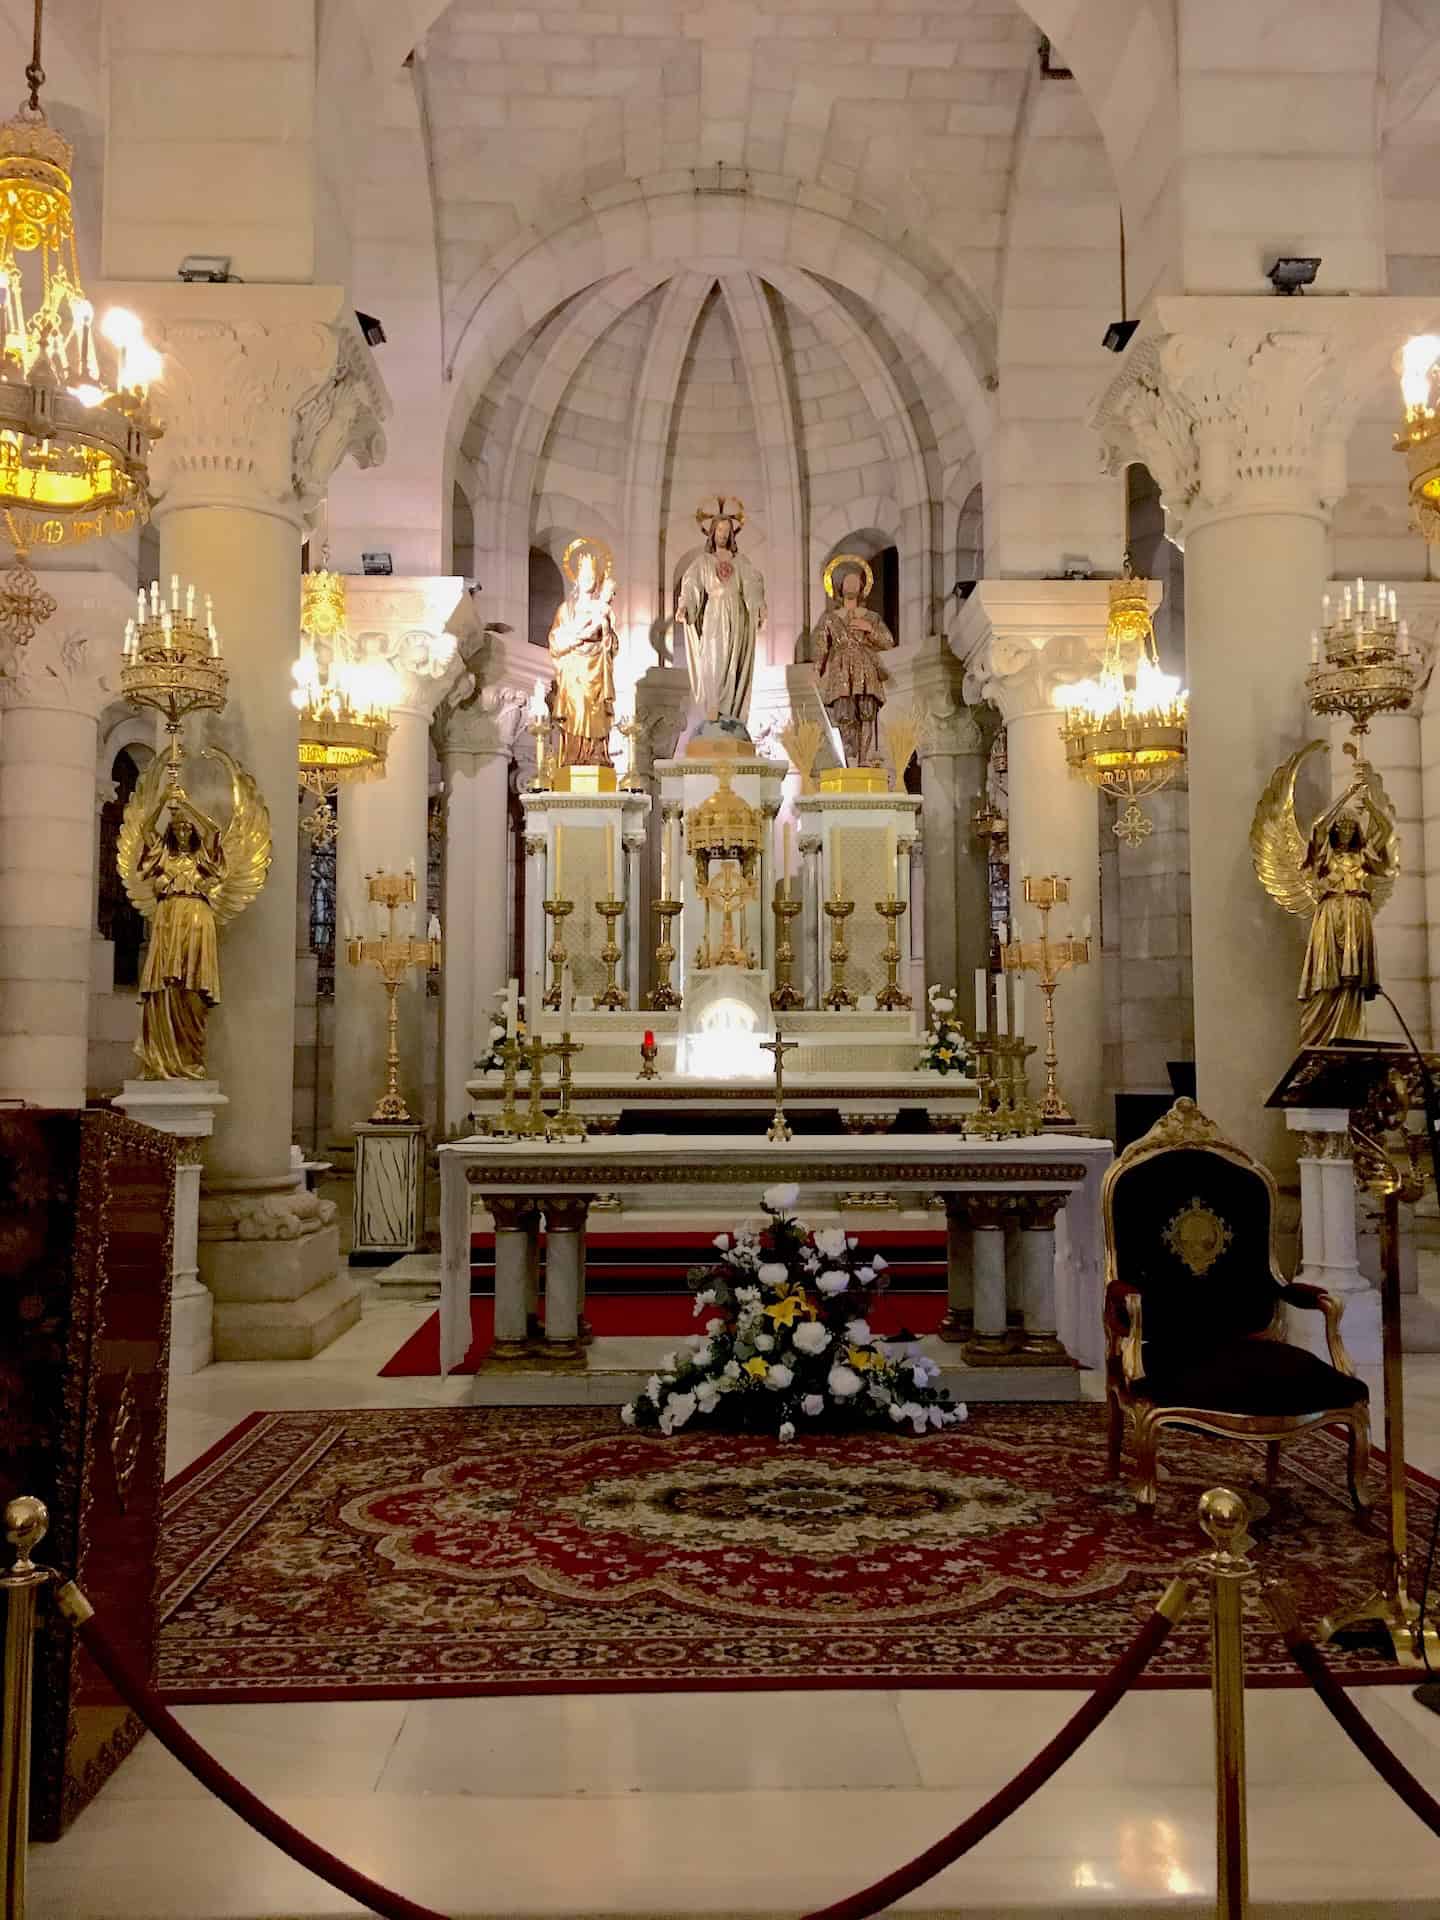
787 1343
947 1045
494 1060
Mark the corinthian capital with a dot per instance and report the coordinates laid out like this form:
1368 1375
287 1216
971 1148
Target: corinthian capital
265 391
1238 407
1022 640
410 623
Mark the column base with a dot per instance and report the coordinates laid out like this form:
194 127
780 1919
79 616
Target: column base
987 1350
956 1327
1041 1350
271 1259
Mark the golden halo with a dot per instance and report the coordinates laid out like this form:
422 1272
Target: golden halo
727 507
854 560
602 553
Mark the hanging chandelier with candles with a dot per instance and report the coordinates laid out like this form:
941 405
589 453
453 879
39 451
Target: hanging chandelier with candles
1127 732
170 660
74 419
1419 438
1361 664
344 701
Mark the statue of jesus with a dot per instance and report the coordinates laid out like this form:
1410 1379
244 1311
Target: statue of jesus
722 609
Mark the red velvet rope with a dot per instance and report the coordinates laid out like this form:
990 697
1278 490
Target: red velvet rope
1076 1730
1392 1770
223 1784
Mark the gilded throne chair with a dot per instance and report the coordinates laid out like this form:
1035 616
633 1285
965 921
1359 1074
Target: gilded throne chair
1194 1308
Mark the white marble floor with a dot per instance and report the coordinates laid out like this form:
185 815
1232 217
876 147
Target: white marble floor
746 1804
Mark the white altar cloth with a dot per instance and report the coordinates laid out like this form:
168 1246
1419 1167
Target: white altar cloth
708 1168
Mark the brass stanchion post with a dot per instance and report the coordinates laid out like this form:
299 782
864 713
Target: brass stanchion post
25 1523
1224 1516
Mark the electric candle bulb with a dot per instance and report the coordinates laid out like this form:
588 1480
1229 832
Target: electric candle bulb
154 599
1392 606
1325 608
214 644
1314 649
174 593
190 601
140 607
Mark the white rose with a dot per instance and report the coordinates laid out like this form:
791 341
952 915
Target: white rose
867 1274
943 1004
652 1387
812 1404
879 1262
936 1415
773 1274
787 1431
712 1327
732 1369
780 1199
764 1342
702 1353
833 1282
810 1337
779 1375
747 1295
831 1242
627 1416
858 1333
722 1241
707 1395
844 1382
680 1406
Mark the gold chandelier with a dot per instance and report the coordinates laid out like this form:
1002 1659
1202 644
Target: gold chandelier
1127 732
170 660
344 702
1419 439
1361 664
73 443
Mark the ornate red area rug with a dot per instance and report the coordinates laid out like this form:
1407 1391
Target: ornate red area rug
337 1555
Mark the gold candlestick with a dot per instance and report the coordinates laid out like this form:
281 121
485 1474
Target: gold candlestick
392 955
507 1125
664 994
1047 959
986 1121
533 1124
779 1128
891 995
613 996
839 995
785 993
567 1124
556 910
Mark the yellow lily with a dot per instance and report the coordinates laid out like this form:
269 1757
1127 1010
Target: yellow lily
783 1312
757 1367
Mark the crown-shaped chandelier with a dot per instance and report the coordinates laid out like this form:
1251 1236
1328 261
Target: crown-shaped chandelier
1127 732
1419 438
74 421
1361 663
344 701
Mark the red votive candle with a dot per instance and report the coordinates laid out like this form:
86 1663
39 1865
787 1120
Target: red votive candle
649 1039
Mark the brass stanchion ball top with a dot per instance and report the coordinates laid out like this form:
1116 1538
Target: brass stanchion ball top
26 1523
1224 1516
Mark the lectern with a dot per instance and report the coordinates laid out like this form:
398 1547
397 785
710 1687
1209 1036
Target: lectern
1374 1081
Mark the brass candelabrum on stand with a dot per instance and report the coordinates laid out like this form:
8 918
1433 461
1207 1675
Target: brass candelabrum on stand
555 912
612 997
839 995
779 1128
392 955
891 996
506 1124
1004 1109
664 995
567 1124
1047 959
533 1124
785 995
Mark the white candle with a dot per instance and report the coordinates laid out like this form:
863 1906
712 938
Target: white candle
1314 649
890 863
410 866
432 932
1392 606
982 1000
155 599
609 863
190 601
665 827
835 893
140 608
559 861
788 853
1002 1009
512 1004
174 593
1019 1006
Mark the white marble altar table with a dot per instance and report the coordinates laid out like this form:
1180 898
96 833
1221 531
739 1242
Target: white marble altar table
866 1102
987 1186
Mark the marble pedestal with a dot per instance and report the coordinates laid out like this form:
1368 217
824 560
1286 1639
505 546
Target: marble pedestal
270 1255
1328 1242
186 1109
389 1214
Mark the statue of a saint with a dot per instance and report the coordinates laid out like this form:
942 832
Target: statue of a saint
852 681
188 876
1341 873
722 609
583 645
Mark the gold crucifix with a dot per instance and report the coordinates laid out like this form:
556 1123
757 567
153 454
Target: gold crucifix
779 1128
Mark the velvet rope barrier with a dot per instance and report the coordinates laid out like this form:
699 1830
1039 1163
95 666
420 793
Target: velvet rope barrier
1313 1664
223 1784
1169 1610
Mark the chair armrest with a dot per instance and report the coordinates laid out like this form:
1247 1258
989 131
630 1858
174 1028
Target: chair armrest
1123 1337
1298 1293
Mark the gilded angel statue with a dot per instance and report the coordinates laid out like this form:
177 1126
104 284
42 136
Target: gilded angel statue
188 876
1340 873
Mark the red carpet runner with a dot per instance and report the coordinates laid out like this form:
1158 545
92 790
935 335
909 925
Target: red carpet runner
423 1551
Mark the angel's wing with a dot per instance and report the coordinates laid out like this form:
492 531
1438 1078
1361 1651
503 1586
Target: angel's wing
1277 846
245 841
130 844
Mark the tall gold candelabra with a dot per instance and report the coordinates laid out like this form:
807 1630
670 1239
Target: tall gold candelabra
567 1124
392 954
664 995
1047 959
785 994
556 911
839 995
612 997
891 995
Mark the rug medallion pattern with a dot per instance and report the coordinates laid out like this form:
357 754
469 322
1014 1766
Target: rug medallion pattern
548 1549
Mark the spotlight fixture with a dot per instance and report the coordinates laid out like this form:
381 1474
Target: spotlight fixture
214 267
1292 273
376 563
371 328
1118 335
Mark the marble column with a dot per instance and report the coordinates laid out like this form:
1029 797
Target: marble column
266 389
475 743
1242 414
51 693
989 1340
564 1274
1037 1278
517 1239
1022 640
959 1272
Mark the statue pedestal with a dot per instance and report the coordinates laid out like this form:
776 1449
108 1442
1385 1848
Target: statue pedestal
1328 1242
186 1109
389 1212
